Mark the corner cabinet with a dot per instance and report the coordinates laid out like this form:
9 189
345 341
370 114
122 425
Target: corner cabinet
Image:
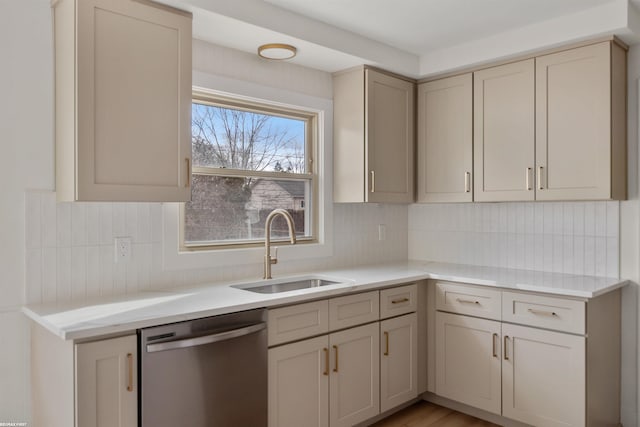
581 98
552 127
373 137
445 140
83 385
539 359
123 101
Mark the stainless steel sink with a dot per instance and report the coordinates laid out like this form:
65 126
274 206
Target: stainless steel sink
286 286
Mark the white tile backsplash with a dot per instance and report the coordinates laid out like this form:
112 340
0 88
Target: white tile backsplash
70 255
564 237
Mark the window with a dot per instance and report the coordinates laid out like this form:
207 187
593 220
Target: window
249 159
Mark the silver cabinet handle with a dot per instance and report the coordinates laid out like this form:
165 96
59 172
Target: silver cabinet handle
542 312
528 178
540 187
206 339
467 301
467 182
373 181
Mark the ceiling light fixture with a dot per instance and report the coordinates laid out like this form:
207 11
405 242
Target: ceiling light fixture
277 51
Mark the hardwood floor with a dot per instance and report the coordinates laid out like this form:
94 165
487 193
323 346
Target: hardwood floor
426 414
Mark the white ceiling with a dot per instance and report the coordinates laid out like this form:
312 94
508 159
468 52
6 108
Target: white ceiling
412 37
420 26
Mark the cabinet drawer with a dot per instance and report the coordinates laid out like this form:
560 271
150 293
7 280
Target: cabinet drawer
465 299
353 310
544 312
298 321
396 301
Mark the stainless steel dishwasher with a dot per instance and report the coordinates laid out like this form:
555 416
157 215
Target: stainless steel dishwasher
209 372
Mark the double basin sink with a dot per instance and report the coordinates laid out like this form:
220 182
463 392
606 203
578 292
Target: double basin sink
287 285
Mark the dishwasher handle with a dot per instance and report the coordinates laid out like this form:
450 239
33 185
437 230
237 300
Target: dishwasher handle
206 339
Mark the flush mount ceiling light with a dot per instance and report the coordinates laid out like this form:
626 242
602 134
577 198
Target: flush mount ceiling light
277 51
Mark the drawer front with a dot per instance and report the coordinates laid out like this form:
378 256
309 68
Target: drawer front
298 321
353 310
544 312
400 300
471 300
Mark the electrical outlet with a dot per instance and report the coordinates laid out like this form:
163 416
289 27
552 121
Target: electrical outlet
382 232
122 249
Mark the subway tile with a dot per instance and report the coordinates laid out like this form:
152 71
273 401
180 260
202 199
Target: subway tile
78 224
49 220
590 219
613 259
79 273
106 270
548 218
538 218
49 274
119 220
568 254
589 255
105 230
558 253
558 218
578 259
131 221
63 279
63 225
600 219
93 224
93 271
567 219
613 218
578 219
601 256
529 218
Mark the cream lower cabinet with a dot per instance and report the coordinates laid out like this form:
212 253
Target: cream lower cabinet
398 361
468 365
91 384
106 383
299 384
559 367
329 380
543 377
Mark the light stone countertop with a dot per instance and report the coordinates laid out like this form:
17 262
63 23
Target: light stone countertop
126 313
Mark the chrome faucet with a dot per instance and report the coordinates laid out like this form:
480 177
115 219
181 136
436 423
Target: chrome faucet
267 239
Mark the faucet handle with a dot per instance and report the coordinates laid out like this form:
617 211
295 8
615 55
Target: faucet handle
274 258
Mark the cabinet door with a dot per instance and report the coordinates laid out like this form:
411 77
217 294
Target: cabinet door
543 377
299 384
468 360
389 132
106 383
445 140
573 121
133 102
399 361
354 389
503 108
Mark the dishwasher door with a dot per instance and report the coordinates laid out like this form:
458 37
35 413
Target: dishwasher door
209 372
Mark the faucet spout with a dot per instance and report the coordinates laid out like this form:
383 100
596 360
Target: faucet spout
267 238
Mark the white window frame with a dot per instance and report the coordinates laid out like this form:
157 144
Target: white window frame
174 258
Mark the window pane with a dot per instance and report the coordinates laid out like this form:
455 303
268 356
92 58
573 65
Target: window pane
235 208
235 139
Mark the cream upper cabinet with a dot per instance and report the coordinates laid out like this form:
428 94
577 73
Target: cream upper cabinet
445 140
106 383
123 101
543 377
581 123
373 137
503 108
398 361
